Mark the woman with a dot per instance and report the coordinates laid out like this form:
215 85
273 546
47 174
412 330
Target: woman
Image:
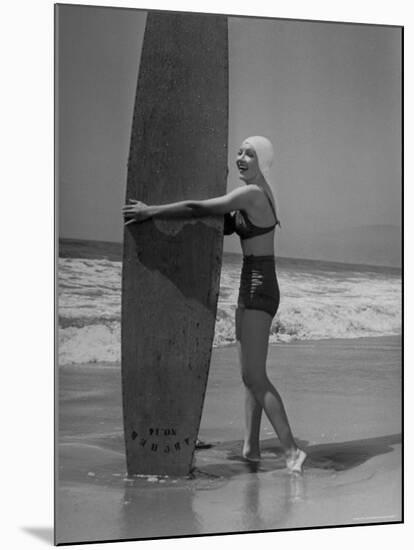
254 220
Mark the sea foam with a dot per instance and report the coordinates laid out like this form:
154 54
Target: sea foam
317 302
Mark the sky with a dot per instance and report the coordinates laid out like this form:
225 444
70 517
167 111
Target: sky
328 96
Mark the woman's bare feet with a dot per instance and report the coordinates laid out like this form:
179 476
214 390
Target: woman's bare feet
295 460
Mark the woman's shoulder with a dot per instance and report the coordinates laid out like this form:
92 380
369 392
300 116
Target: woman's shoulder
249 192
254 191
262 195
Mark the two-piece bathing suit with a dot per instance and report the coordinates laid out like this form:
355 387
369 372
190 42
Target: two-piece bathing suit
259 288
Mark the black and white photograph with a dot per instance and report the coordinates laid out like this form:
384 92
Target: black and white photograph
229 311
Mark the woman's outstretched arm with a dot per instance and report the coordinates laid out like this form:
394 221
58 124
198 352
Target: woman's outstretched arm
239 198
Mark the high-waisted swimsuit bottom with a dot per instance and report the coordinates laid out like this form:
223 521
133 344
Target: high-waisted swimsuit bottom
259 288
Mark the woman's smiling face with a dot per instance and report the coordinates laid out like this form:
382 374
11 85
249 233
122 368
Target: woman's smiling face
247 162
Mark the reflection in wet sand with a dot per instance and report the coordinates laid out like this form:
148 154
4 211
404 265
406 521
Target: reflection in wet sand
159 510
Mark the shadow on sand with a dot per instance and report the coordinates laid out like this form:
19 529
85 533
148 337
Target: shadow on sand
327 456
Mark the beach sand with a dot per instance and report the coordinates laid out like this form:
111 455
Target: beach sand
343 398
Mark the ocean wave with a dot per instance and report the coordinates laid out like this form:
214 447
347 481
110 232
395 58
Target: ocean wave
90 344
314 305
100 341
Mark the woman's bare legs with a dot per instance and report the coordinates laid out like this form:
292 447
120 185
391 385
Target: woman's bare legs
253 409
254 339
252 418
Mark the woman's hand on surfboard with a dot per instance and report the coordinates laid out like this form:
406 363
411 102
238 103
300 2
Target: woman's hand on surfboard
136 211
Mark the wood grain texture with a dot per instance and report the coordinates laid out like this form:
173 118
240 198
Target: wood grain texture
171 268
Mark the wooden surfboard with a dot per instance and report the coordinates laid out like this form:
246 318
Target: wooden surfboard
171 268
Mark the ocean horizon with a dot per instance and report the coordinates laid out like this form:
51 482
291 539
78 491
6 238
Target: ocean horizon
112 250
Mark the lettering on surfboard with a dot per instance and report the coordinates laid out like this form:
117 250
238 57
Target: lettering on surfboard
160 446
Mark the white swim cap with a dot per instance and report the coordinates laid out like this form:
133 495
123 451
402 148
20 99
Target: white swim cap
265 154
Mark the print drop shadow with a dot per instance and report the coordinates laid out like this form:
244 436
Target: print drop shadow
175 261
337 457
43 533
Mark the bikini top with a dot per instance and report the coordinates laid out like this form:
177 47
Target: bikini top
239 223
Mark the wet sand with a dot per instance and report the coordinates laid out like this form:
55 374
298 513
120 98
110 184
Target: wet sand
343 398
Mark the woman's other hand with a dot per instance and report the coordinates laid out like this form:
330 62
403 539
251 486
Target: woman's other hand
136 211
